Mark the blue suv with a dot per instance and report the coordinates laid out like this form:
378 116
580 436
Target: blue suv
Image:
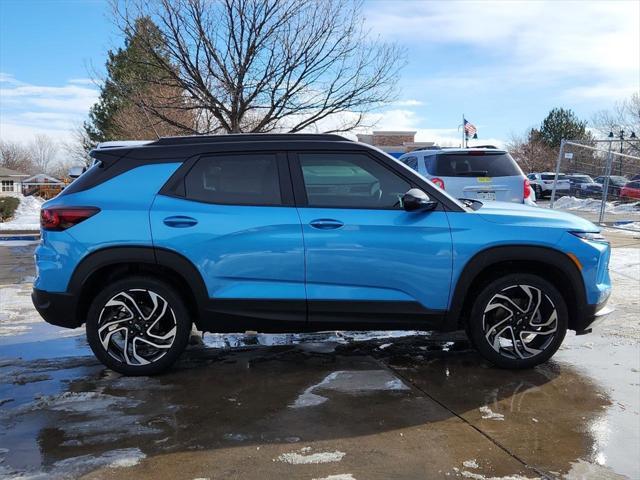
282 233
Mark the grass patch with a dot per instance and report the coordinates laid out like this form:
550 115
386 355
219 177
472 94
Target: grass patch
8 207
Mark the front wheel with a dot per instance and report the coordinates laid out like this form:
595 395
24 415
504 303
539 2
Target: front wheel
138 326
518 321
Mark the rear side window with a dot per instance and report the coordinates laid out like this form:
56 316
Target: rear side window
472 164
235 179
411 162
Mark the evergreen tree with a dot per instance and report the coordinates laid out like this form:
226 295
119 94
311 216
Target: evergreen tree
132 72
561 123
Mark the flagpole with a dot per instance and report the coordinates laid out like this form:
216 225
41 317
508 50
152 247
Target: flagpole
462 144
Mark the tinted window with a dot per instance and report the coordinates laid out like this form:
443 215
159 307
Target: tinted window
581 179
411 162
551 176
473 164
350 181
237 179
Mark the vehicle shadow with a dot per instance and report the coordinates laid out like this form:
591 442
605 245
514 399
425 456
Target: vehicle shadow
290 393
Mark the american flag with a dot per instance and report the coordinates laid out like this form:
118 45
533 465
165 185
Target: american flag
469 128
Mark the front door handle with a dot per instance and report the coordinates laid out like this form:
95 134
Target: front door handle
180 221
326 224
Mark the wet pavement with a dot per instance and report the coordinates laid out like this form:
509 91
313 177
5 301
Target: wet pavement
336 406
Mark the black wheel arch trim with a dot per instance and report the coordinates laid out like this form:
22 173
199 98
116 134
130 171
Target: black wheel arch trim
153 256
492 256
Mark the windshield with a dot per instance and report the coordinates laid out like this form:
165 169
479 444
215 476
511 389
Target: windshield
472 164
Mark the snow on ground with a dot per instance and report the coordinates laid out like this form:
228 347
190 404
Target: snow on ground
353 381
75 467
27 216
303 457
593 205
16 312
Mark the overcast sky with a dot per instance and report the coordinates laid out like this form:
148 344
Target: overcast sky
503 64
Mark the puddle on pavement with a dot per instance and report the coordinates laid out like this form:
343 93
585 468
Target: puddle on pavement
225 398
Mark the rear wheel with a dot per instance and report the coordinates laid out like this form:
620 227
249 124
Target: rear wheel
538 191
138 326
518 321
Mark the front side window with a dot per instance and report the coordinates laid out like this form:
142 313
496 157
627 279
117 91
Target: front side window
235 179
346 180
7 185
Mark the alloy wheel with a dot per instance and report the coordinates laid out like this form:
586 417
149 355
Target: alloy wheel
520 321
137 326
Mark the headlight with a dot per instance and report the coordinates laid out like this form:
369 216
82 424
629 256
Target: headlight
591 236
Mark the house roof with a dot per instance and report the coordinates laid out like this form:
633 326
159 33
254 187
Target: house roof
42 178
7 172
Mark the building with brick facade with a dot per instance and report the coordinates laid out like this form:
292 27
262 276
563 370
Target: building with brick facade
394 143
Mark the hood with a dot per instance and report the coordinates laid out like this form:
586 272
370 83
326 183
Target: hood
507 213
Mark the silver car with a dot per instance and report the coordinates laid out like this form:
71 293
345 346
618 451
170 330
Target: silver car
484 174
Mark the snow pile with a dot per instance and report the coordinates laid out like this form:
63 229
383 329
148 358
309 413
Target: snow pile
27 216
634 226
593 205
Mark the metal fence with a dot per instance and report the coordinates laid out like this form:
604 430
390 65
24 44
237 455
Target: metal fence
613 198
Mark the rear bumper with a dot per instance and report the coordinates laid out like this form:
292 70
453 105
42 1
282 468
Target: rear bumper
56 308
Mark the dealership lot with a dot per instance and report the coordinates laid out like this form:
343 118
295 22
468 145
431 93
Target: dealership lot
340 406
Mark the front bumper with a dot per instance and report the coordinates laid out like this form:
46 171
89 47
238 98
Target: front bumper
593 315
56 308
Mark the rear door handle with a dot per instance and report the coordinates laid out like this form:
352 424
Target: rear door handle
180 221
326 224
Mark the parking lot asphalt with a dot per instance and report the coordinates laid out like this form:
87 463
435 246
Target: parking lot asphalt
351 405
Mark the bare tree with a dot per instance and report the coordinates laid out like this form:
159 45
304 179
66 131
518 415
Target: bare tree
625 116
263 65
532 154
43 151
16 156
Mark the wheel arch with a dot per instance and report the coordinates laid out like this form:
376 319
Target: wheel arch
548 263
110 263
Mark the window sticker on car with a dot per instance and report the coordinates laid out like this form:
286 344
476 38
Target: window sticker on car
484 179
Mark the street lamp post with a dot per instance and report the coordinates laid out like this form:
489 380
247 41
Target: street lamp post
621 137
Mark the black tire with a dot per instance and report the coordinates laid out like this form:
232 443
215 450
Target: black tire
128 306
535 340
538 191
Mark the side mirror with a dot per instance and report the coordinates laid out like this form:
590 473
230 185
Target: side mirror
75 172
415 200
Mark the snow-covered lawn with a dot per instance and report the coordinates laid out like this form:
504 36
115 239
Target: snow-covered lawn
27 216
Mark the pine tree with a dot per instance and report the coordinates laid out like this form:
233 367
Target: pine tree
132 73
561 123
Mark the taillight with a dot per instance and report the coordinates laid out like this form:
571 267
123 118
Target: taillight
438 182
527 188
61 218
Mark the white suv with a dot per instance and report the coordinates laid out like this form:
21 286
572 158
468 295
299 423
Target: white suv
483 174
542 183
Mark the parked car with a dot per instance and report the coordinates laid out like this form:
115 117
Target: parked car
287 233
616 182
542 184
484 174
582 185
631 190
